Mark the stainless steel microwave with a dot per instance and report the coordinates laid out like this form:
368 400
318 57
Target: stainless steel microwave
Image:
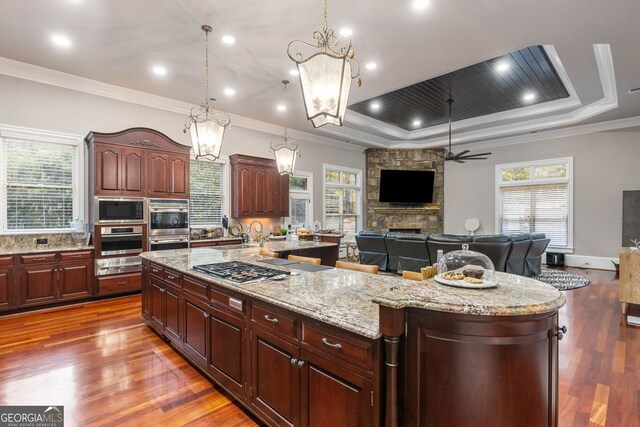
118 210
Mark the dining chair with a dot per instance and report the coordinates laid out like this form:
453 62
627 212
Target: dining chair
306 259
371 269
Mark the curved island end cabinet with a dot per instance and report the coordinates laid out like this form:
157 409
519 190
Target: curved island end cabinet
344 348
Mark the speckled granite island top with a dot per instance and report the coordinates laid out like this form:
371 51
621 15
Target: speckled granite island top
349 299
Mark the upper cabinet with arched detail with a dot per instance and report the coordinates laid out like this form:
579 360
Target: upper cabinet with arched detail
137 162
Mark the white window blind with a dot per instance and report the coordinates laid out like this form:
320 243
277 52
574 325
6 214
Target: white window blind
207 196
38 184
536 208
536 197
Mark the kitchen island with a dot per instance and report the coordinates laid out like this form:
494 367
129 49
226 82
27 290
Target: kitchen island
377 350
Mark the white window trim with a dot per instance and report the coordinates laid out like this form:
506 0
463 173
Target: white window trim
533 181
79 182
226 185
306 194
357 186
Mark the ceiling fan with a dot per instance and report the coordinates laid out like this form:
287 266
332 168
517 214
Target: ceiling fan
461 156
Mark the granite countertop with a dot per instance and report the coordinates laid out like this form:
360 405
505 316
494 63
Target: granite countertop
349 299
42 249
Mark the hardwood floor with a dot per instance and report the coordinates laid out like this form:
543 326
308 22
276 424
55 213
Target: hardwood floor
107 368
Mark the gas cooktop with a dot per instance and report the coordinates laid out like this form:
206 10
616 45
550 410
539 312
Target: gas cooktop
240 272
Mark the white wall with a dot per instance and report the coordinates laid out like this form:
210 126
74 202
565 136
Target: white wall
28 104
605 164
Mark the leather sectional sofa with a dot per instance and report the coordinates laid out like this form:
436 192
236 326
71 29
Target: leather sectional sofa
516 253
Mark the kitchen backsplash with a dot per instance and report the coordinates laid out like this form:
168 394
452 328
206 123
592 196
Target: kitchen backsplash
8 242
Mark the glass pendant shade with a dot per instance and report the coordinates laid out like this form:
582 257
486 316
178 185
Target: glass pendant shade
206 137
286 158
325 81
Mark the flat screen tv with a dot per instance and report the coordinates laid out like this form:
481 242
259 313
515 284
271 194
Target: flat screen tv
406 187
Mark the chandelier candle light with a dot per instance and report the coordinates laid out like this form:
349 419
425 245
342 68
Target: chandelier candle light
286 152
325 76
206 125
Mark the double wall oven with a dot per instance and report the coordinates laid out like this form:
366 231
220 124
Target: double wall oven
168 224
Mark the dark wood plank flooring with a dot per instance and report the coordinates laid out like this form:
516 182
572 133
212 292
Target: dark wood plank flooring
107 368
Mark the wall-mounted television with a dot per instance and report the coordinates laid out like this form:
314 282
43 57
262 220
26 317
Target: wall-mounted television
406 187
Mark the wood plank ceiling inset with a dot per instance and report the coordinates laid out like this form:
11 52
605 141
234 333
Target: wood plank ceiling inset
477 90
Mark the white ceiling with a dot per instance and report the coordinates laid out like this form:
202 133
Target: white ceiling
118 42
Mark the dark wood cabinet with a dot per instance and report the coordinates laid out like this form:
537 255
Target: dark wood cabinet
288 371
38 284
119 171
6 289
227 340
137 162
75 279
257 190
330 385
275 378
196 331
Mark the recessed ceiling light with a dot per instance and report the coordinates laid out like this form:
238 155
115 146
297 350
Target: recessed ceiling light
228 39
346 32
416 123
229 91
159 70
502 67
61 40
420 4
293 72
528 96
371 66
375 105
282 107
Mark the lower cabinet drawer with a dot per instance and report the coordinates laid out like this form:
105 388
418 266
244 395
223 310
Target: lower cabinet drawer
333 343
72 256
195 287
6 261
120 283
37 259
274 319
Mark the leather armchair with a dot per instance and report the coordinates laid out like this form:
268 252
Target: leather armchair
446 242
413 253
372 249
520 243
533 260
392 250
496 247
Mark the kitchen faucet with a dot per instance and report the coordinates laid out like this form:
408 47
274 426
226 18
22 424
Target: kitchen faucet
259 237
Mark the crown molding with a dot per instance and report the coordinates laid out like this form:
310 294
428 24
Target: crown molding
34 73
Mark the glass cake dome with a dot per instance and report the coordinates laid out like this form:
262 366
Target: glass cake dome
467 263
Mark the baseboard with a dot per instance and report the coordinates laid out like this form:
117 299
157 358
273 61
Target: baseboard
584 261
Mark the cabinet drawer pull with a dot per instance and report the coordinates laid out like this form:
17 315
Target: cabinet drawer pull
270 319
206 315
155 270
326 342
39 259
235 303
300 363
163 291
122 283
75 256
293 361
560 332
170 277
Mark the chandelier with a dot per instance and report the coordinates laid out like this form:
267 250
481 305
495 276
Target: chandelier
286 152
206 125
325 75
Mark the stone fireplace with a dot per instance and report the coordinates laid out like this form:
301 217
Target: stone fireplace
428 219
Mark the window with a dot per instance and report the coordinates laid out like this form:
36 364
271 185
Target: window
536 197
207 186
300 201
39 190
342 200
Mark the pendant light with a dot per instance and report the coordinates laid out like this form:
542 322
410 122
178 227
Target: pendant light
325 75
206 125
286 152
